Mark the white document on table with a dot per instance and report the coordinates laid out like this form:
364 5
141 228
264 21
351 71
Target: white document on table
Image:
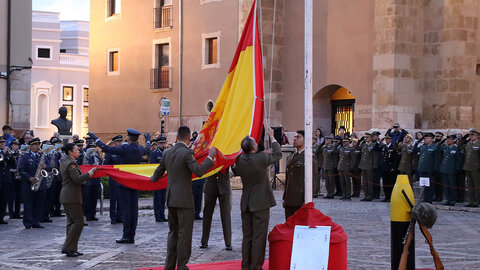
310 248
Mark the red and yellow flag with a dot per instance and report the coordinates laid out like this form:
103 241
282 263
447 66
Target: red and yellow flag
238 112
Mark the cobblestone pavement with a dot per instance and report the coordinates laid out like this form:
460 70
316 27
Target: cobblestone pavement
367 224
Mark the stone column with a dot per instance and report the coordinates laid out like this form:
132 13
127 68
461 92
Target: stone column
397 95
450 55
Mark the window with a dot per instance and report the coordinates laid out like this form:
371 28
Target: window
160 77
209 106
211 47
42 110
69 111
85 120
63 51
211 50
67 93
162 14
85 94
114 7
113 62
43 52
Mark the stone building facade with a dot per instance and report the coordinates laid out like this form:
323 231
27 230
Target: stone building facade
376 62
59 73
15 74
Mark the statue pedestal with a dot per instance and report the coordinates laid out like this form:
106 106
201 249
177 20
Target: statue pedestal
66 138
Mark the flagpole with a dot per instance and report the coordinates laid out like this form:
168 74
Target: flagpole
308 100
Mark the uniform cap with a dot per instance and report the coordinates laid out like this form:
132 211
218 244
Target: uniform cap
55 140
117 138
376 133
346 140
428 134
14 142
474 132
329 137
133 132
451 137
354 140
439 133
34 141
79 142
388 136
410 136
368 134
2 139
338 138
90 145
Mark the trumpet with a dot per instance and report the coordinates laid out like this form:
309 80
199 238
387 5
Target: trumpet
55 171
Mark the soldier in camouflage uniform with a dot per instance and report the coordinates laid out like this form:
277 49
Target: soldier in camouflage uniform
366 165
356 173
408 153
328 157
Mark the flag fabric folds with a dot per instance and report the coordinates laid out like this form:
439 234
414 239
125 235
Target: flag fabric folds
238 112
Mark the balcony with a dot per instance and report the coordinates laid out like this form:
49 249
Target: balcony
73 60
162 17
161 78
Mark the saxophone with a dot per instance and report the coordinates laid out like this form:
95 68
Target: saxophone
54 171
39 174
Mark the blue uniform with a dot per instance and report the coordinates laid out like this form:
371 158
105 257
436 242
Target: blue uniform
57 187
90 189
449 167
51 191
33 202
6 182
427 164
159 196
131 153
115 210
15 198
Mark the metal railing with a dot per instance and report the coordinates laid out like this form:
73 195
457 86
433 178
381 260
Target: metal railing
161 78
162 17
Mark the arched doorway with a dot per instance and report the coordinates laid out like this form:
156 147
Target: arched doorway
333 107
343 106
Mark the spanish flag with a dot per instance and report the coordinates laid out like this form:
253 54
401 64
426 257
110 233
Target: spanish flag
238 112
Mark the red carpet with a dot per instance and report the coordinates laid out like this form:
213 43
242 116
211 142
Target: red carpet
233 265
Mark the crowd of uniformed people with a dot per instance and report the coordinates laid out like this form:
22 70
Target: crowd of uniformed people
33 172
448 161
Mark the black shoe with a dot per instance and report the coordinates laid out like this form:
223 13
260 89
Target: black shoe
125 240
366 200
3 222
70 253
79 253
204 245
113 222
229 247
347 199
198 218
28 227
315 196
47 220
386 200
161 219
85 224
119 221
16 217
38 226
474 205
92 219
446 203
58 215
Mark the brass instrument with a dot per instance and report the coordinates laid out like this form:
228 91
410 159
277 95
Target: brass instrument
4 153
101 198
39 174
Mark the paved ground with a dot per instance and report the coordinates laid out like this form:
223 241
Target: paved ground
456 237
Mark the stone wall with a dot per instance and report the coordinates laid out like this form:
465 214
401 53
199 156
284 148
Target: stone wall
20 99
450 55
397 95
271 20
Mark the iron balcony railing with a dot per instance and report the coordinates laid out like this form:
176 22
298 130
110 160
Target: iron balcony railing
162 17
161 78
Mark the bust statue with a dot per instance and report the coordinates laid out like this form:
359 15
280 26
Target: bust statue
63 125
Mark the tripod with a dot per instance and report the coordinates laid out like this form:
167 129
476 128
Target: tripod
274 179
